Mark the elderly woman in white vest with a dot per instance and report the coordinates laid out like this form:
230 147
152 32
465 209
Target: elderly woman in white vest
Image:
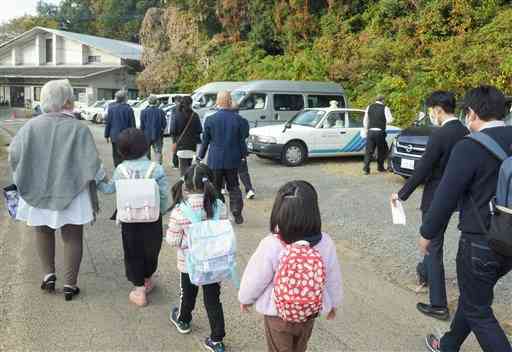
55 164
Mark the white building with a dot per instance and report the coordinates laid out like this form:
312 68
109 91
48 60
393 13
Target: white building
96 67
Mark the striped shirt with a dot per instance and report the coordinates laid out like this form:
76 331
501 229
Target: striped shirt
176 235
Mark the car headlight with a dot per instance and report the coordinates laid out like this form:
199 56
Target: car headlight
264 139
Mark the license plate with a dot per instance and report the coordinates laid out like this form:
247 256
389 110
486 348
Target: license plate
407 164
250 146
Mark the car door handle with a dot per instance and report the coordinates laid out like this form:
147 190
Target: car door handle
343 132
263 117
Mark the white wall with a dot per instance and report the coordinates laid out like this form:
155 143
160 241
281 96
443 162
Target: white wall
71 52
106 59
29 54
6 60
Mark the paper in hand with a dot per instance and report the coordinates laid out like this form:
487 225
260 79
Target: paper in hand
398 213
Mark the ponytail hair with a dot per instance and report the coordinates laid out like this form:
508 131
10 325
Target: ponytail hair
198 178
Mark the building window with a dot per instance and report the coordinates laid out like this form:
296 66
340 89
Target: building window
77 92
37 93
133 94
94 59
288 102
106 94
49 50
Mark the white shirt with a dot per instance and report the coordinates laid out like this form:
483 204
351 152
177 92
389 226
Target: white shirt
492 124
448 120
387 112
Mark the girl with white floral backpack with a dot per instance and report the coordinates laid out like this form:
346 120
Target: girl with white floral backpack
294 275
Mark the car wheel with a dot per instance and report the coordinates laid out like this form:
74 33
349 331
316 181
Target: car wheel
294 154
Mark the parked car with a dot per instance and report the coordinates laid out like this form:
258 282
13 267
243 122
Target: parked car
164 99
96 111
270 102
205 97
410 144
312 133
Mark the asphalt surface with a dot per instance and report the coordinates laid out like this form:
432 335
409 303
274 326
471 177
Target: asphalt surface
377 258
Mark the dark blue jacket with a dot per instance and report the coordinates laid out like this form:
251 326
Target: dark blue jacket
472 171
153 122
224 134
119 117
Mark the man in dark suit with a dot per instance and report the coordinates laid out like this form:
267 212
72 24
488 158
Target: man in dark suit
429 171
470 181
376 118
120 116
153 122
224 137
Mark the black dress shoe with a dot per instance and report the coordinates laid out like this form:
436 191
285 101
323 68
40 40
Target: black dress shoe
439 313
366 172
239 219
69 292
49 284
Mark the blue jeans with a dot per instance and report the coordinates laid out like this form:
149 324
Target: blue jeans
478 270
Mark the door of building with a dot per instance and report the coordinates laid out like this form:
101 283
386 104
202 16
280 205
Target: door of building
18 97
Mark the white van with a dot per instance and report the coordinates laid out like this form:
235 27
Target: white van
205 97
273 102
163 99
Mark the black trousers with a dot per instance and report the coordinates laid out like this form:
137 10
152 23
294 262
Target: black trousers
478 270
141 244
184 163
432 268
376 139
230 177
211 297
118 159
245 177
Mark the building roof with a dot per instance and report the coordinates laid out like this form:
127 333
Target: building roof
122 49
62 72
292 86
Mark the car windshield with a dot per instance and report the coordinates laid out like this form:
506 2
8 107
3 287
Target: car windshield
237 96
98 104
309 118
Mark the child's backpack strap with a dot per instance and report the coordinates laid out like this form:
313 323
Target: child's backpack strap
124 171
151 169
490 144
191 214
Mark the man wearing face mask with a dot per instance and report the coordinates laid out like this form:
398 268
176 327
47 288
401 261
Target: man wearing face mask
429 171
470 181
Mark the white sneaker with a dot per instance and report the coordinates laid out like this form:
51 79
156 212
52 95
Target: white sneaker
224 191
251 194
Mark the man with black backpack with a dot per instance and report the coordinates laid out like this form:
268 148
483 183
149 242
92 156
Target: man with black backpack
471 180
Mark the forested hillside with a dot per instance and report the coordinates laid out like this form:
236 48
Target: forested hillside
401 48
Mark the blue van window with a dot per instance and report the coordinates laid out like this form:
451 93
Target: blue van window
288 102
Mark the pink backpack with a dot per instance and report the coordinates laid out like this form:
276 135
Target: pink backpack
299 283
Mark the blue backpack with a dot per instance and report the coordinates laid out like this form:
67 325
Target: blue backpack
211 253
499 233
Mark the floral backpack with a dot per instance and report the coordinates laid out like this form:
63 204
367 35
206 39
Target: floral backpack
299 283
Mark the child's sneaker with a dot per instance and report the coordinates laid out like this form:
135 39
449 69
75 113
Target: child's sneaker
138 297
213 346
182 327
251 194
149 284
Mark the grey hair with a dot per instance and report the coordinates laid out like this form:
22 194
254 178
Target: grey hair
121 96
153 100
55 95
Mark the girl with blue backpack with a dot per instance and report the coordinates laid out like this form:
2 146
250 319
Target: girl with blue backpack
196 203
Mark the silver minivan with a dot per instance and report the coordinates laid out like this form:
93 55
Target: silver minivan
272 102
205 97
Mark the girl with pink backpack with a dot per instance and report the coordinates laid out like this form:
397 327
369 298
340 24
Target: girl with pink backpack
294 275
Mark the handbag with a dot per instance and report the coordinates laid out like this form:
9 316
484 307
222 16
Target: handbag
12 199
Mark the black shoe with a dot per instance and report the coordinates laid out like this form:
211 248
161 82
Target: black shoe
70 292
49 284
239 219
212 346
433 343
182 327
440 313
381 169
366 172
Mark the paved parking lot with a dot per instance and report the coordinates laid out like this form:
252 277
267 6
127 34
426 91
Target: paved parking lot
378 261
